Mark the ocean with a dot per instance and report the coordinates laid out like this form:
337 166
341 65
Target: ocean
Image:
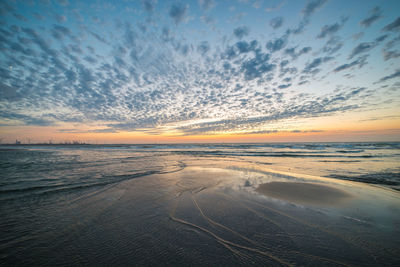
168 204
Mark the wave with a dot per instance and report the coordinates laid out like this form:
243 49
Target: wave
271 154
7 194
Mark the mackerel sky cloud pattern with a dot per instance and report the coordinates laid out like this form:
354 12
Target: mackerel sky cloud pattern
195 67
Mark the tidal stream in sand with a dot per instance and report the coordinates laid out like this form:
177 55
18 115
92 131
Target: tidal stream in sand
111 206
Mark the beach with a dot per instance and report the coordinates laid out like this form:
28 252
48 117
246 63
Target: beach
199 210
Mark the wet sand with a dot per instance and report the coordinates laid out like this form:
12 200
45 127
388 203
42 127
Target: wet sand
210 213
304 193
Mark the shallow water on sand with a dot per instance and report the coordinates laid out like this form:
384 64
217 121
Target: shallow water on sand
69 206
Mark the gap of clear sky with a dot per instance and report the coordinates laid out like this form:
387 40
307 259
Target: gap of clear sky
199 71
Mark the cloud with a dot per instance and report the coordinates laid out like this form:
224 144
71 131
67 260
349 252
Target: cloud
389 77
360 62
276 22
312 6
311 67
394 26
98 37
361 48
8 92
387 51
63 2
5 8
292 51
358 35
387 55
178 12
333 45
60 32
283 86
105 130
277 44
336 103
149 5
257 66
367 46
206 4
330 29
308 10
376 14
60 18
45 47
18 118
277 7
241 32
203 47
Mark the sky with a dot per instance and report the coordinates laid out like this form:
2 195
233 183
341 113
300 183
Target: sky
199 71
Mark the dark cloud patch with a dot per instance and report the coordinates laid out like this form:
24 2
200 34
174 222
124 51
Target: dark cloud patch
60 18
98 37
367 46
376 14
203 47
90 59
389 51
284 63
185 49
329 30
361 48
63 2
303 82
5 8
394 26
26 119
358 35
60 32
45 47
245 47
166 34
276 22
387 54
394 75
313 6
38 16
20 17
8 92
359 62
241 31
381 38
76 49
257 66
105 130
149 5
333 45
178 12
308 10
206 4
295 54
311 67
277 44
210 20
283 86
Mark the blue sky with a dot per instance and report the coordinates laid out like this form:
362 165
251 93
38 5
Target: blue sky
197 67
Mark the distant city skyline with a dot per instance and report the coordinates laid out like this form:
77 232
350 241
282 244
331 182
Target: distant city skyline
199 71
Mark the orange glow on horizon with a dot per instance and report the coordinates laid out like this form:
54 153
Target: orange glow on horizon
50 134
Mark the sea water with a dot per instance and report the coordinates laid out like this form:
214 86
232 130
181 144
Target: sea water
48 192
